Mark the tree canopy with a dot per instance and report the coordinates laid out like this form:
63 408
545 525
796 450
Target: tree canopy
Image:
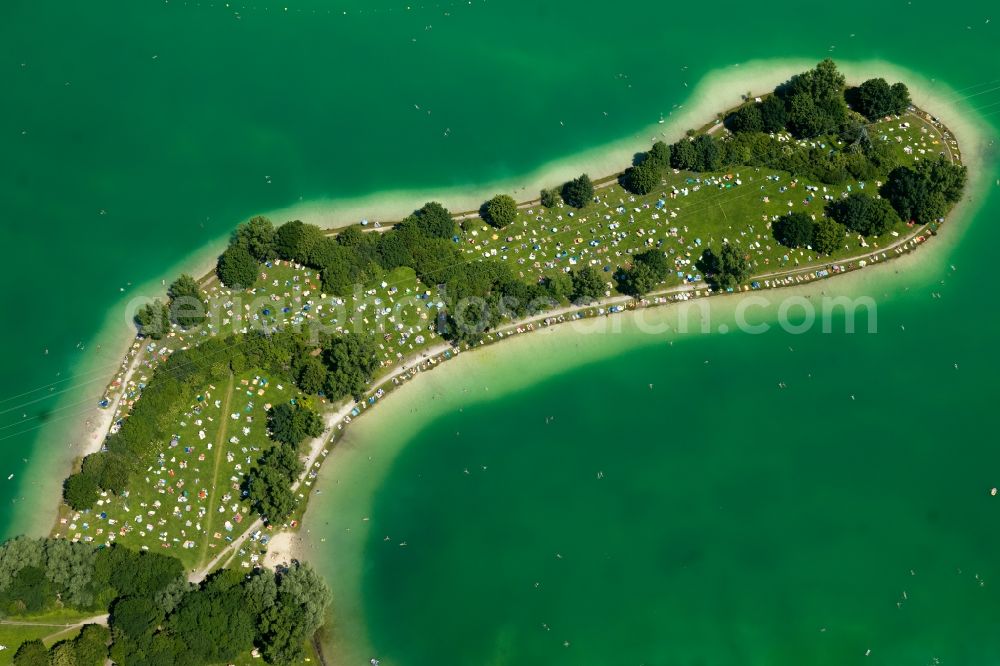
659 155
153 320
922 193
578 192
215 621
828 236
727 269
237 268
499 211
32 653
432 220
875 98
773 114
559 286
257 236
864 214
747 118
649 269
300 607
295 240
218 621
187 307
793 230
270 493
703 153
588 285
642 178
293 424
80 491
351 362
815 100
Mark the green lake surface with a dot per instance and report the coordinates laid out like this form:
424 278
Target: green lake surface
735 521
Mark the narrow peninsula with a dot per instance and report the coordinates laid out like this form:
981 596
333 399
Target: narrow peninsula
239 383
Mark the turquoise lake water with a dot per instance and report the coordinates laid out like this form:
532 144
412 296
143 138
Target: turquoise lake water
733 523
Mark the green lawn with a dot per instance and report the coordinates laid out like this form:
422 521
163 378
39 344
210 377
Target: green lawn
187 500
47 626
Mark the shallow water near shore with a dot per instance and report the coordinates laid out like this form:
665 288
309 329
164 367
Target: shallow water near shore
734 521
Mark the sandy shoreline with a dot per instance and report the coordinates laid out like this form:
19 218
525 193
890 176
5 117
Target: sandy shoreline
719 90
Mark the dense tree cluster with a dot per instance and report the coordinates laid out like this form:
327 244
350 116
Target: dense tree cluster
548 198
642 178
80 491
559 286
353 257
769 116
499 211
269 484
649 269
793 230
157 617
295 241
223 618
88 648
37 575
815 101
237 268
432 220
480 294
862 160
351 361
659 155
578 192
293 424
799 230
257 237
924 192
587 285
726 270
254 241
809 105
297 610
864 214
187 306
828 235
875 98
153 320
702 153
